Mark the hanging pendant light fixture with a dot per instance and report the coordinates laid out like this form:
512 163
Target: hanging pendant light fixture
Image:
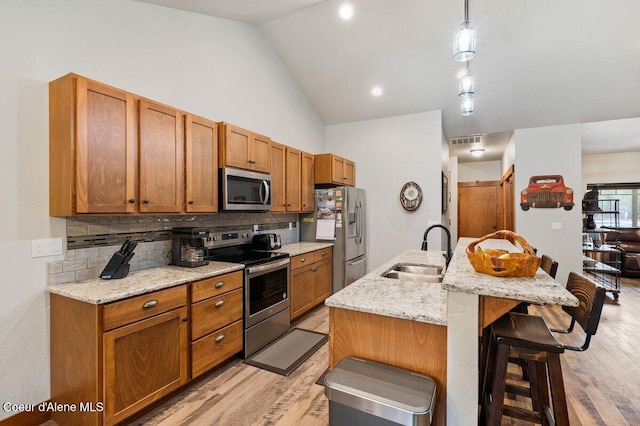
466 106
466 84
464 43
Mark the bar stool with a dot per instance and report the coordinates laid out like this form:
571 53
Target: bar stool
527 337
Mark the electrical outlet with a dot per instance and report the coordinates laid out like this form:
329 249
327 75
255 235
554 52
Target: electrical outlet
255 229
290 226
46 247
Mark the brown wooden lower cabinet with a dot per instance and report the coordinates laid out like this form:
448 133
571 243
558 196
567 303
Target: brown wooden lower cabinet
311 280
112 360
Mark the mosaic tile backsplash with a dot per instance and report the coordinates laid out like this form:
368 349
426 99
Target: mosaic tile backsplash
92 240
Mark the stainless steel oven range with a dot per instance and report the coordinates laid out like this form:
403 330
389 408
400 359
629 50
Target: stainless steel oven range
266 286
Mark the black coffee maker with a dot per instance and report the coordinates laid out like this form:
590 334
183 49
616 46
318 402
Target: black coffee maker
188 247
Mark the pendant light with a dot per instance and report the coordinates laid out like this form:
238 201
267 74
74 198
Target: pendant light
466 84
464 43
466 106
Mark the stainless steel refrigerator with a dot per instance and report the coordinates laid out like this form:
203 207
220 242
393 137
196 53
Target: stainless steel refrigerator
339 216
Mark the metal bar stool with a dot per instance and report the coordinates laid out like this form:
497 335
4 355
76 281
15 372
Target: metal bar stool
528 338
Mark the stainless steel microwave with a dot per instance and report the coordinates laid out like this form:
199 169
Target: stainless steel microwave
244 190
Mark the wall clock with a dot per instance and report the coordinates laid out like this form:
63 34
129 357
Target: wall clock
410 196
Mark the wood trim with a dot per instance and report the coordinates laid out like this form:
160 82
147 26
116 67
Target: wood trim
23 418
480 183
510 172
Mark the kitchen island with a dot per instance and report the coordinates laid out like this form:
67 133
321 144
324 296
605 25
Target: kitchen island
432 328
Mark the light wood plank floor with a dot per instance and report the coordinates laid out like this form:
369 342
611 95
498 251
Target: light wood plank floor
601 383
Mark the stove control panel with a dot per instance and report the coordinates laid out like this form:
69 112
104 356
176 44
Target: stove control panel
228 238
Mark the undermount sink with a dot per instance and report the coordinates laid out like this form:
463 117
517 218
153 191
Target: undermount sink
419 273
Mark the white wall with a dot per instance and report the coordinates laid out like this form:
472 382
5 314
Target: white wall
610 168
551 150
216 68
453 205
509 156
479 170
388 153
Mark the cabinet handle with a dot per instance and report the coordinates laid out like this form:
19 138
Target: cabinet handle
344 178
220 338
302 260
323 253
314 270
150 304
219 303
132 200
219 284
288 205
190 201
146 201
284 205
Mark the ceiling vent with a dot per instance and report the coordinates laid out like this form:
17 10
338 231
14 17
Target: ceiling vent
466 140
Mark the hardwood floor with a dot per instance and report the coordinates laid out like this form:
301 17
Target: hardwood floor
601 383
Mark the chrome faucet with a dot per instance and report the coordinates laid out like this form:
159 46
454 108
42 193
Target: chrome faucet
448 255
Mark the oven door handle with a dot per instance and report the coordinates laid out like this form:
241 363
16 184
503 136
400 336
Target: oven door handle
267 267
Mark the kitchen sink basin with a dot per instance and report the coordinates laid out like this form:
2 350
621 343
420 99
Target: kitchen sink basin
419 273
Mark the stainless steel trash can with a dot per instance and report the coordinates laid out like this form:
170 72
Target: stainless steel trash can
368 393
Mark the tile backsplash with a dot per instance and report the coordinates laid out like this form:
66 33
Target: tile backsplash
92 240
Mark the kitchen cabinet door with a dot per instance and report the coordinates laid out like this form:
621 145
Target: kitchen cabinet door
235 146
260 153
292 180
337 169
324 280
278 162
144 361
307 183
103 142
349 173
301 283
244 149
201 164
161 159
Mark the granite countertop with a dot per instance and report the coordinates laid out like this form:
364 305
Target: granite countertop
423 302
541 288
98 291
295 249
427 302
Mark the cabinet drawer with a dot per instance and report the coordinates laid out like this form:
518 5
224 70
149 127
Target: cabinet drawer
124 312
302 260
322 254
216 347
213 286
216 312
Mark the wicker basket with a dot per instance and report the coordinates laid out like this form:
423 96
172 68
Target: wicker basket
488 261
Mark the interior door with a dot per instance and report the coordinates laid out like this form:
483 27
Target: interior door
479 208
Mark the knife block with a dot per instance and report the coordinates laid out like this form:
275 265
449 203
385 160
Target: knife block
118 267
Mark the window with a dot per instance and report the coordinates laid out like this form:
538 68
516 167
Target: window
628 204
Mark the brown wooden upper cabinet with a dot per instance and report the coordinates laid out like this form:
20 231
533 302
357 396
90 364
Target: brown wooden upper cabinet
201 164
161 158
244 149
92 151
278 170
332 169
307 180
292 179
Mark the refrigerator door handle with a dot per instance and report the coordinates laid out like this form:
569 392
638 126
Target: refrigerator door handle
359 230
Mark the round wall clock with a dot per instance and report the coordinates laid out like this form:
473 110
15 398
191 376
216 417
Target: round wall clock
411 196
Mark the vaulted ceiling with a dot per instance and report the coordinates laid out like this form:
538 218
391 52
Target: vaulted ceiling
538 62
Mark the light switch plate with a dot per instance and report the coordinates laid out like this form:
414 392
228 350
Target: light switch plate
556 226
46 247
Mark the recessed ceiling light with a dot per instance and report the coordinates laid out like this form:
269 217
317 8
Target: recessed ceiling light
376 91
477 152
346 11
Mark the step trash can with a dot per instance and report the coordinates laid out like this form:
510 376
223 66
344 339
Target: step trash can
368 393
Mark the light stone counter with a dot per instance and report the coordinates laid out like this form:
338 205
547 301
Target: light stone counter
423 302
295 249
98 291
540 288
